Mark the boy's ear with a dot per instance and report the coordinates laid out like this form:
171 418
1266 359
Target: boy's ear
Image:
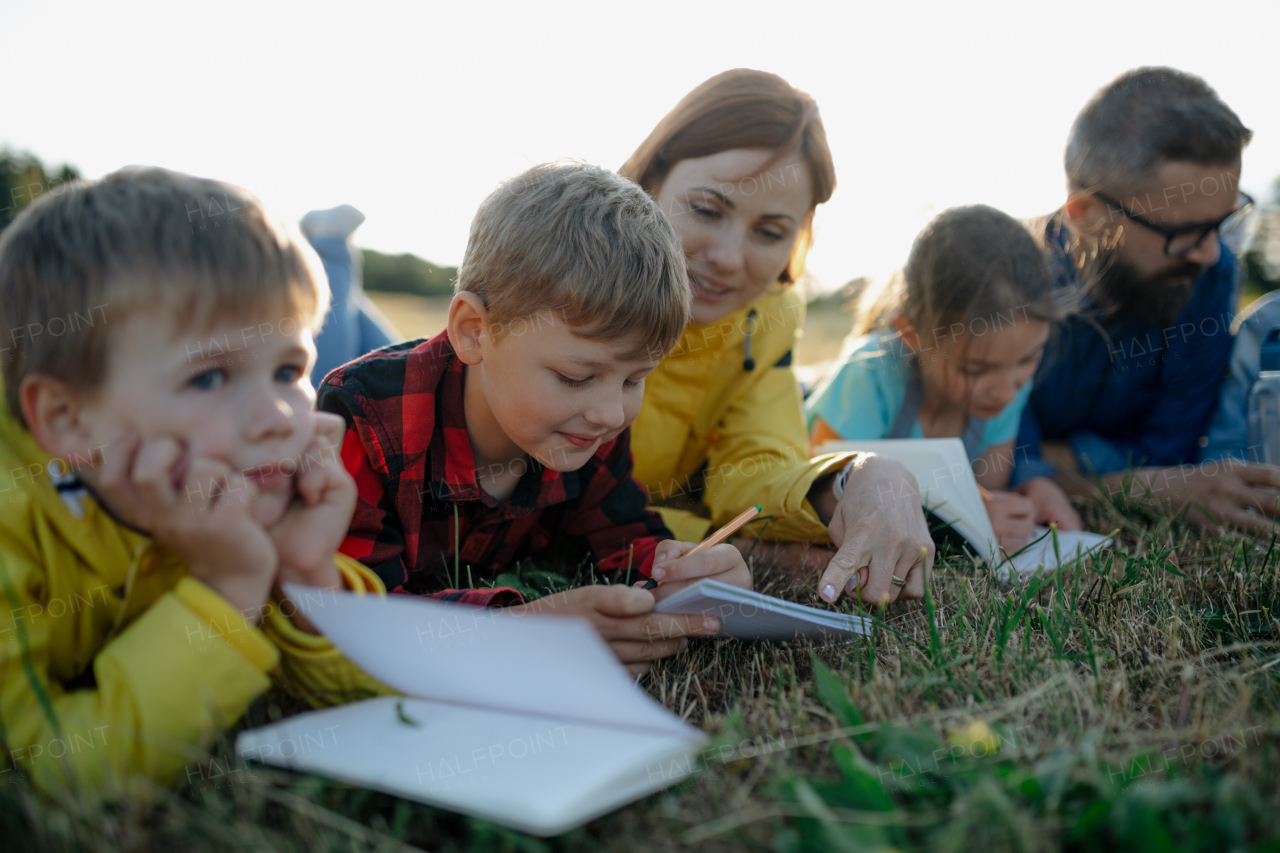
468 324
54 415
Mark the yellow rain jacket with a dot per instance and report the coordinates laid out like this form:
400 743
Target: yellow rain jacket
703 406
116 667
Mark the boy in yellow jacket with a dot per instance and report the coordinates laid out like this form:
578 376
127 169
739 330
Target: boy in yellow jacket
162 472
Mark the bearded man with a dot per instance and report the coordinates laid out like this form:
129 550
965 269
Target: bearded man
1130 381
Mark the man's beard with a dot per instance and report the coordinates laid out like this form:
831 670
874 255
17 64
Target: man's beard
1155 299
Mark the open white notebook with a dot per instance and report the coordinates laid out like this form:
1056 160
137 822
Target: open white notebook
749 615
525 720
950 491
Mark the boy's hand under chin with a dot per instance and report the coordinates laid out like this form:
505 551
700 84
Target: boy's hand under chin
624 615
203 514
315 521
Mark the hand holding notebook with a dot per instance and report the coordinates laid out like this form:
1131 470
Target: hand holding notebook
951 492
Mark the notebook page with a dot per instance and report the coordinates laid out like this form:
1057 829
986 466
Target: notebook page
1071 543
538 774
482 656
947 485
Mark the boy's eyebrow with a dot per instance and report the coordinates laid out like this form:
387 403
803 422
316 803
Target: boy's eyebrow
605 365
593 365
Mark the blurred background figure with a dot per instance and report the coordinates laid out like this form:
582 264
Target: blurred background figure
354 325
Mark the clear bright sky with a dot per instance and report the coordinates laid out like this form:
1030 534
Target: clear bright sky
413 112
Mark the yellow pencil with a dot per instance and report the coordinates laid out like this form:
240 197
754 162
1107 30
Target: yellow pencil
986 496
719 536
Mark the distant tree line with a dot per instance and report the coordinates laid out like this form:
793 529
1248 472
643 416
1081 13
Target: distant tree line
23 179
406 274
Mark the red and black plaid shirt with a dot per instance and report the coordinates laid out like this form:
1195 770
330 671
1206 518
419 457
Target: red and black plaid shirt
407 447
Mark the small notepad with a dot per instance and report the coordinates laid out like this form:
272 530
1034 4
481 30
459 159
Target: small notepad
748 615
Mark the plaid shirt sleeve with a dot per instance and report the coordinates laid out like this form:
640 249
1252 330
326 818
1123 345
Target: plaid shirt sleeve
612 515
376 536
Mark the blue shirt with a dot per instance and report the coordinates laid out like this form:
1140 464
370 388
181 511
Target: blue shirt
1138 395
861 398
1229 429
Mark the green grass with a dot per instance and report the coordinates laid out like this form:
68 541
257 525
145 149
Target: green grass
1130 703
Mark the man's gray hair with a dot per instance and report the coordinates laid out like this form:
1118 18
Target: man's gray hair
1145 118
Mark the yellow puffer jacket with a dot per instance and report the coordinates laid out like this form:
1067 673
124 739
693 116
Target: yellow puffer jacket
702 406
116 667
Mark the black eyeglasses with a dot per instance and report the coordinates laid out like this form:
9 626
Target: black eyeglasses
1183 239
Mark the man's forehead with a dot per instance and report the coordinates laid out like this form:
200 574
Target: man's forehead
1188 192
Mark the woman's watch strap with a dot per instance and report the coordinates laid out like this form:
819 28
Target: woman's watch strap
837 484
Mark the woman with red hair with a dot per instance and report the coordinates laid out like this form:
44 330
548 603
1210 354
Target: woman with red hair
739 166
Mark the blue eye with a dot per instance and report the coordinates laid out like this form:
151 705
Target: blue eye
209 380
288 374
572 383
632 384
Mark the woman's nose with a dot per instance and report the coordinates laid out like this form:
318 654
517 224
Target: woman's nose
724 251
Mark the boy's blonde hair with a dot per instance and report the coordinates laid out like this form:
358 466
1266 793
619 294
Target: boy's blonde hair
584 244
75 264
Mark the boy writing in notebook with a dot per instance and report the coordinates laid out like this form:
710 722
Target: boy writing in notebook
506 435
165 471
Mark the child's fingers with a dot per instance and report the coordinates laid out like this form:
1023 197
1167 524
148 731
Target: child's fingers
329 430
1068 519
115 479
616 601
665 627
153 470
206 482
1022 507
629 651
1012 505
313 482
713 561
117 462
671 549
